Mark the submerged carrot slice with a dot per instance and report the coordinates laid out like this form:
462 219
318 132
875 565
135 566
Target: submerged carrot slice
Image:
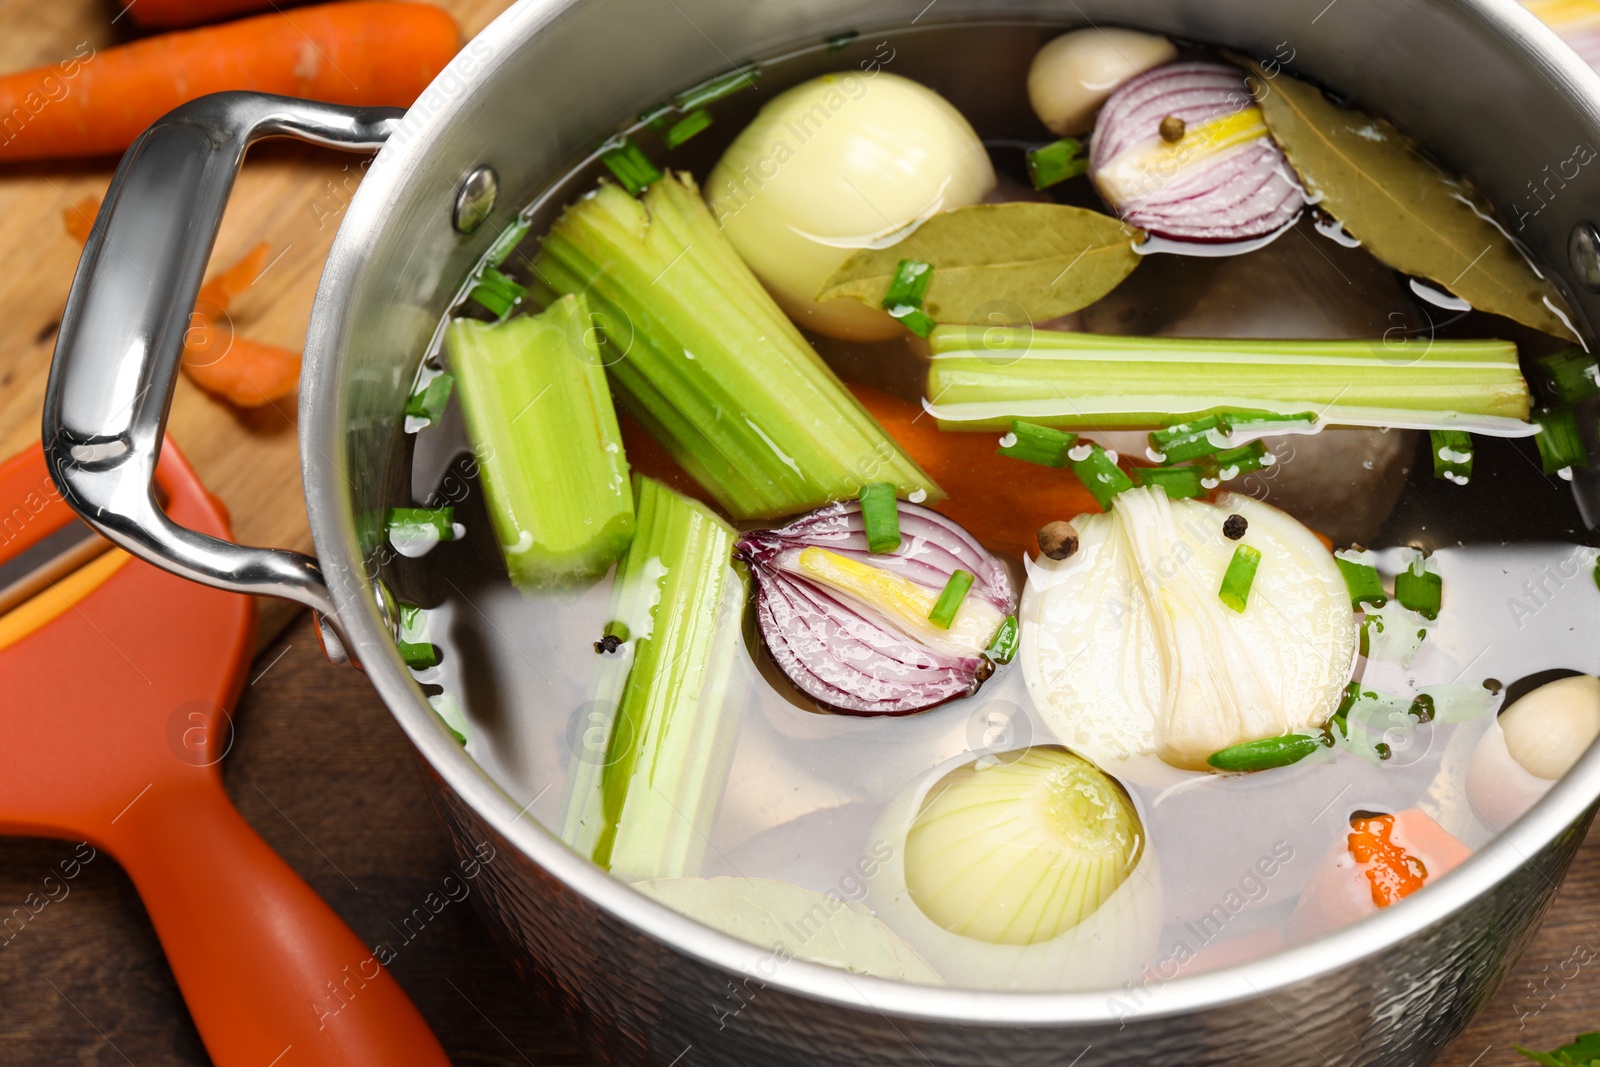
1390 870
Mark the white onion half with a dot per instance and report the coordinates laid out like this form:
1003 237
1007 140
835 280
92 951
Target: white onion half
842 162
1128 651
1104 949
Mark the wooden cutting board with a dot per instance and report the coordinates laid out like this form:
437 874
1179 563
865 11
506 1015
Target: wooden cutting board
289 196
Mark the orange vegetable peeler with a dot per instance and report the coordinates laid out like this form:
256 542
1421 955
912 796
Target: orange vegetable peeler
120 683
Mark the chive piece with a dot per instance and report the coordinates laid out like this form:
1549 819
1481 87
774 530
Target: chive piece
1560 443
691 124
1098 473
1361 578
1179 483
1597 574
497 291
651 752
1255 420
913 319
1419 588
540 419
1570 375
880 515
1004 645
1452 455
508 240
1268 752
801 440
1239 577
433 524
447 708
416 650
1190 439
714 89
909 284
1232 462
1037 444
950 598
631 166
1054 163
659 117
429 401
1087 381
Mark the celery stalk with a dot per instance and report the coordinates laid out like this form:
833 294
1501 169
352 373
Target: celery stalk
643 804
709 364
1081 381
545 432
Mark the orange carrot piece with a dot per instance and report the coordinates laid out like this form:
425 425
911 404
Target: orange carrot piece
244 372
220 289
362 52
1002 502
172 14
1392 872
79 218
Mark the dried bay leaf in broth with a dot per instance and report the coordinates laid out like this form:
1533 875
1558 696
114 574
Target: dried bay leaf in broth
1018 261
1404 210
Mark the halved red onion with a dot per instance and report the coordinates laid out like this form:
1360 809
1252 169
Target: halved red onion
1224 179
842 653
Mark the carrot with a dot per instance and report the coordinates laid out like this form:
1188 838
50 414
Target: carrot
1002 502
171 14
220 289
364 52
244 372
79 218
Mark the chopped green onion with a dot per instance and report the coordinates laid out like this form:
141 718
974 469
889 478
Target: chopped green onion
1232 462
703 339
692 123
1239 577
540 418
497 291
1004 645
714 89
1086 381
1597 573
1268 752
1419 588
1560 443
659 117
1179 483
1256 420
508 240
839 41
880 517
1190 439
950 598
439 523
429 401
416 650
1452 455
448 709
631 166
1570 375
1036 444
1422 708
1098 473
641 803
1361 578
903 299
913 319
1056 162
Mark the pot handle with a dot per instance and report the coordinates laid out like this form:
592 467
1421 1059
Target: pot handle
121 338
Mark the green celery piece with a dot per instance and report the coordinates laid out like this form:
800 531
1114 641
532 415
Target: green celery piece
642 805
1083 381
713 369
541 421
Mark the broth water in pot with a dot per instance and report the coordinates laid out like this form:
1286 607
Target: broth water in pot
990 506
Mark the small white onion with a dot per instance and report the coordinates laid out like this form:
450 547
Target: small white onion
995 832
838 163
1531 746
1074 74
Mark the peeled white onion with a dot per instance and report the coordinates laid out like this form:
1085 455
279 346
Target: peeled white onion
1027 871
797 922
1128 651
1531 746
842 162
1074 74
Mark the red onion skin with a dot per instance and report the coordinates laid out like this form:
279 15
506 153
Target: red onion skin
1249 191
844 659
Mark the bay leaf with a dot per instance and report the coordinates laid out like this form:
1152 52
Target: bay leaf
1015 262
1406 211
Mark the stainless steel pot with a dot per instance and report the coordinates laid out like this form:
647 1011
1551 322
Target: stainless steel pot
1479 80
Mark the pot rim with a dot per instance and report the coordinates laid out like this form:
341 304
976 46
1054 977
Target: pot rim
324 456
